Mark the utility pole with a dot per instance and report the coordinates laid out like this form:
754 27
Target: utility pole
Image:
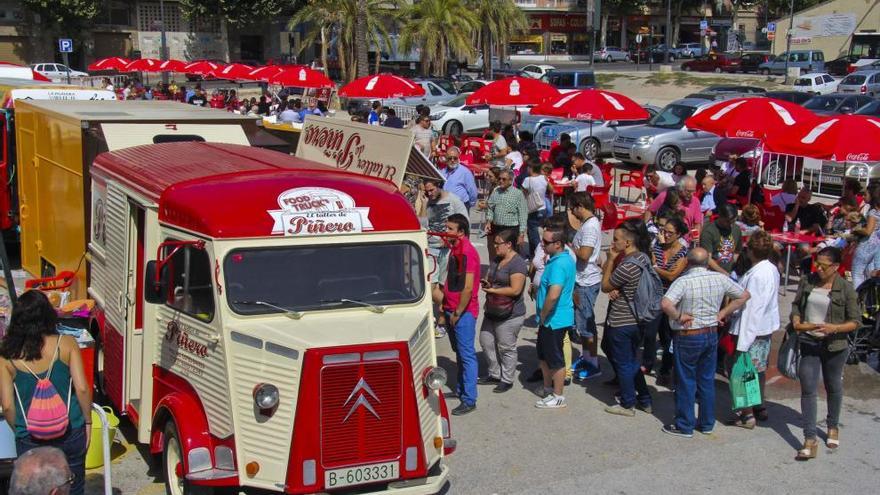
788 39
163 49
668 30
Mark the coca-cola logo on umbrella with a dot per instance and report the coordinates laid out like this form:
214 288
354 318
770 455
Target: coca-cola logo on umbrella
744 133
857 157
318 211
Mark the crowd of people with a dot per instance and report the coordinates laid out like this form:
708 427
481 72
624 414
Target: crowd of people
697 277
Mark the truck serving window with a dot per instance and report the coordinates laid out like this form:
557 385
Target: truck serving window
323 277
190 289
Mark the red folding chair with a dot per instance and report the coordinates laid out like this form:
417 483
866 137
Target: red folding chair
611 216
544 155
601 195
769 194
773 218
632 180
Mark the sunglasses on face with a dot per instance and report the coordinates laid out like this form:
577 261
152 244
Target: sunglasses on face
547 243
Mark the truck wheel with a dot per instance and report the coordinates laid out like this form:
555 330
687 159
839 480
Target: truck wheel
666 159
100 387
590 148
172 456
454 128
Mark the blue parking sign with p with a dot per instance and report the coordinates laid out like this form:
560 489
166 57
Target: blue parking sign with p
771 27
65 45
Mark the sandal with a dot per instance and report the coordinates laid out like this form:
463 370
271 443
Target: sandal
761 414
809 450
833 440
746 421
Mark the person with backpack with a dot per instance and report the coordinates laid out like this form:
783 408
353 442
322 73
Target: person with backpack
43 389
634 290
693 304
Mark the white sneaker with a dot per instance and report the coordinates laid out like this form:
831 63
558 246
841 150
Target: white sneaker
552 401
439 331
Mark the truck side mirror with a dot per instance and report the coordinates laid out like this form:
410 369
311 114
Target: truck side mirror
456 273
155 287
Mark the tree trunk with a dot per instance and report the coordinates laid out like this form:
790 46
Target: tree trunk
676 22
362 47
623 41
378 57
324 51
342 56
603 30
486 45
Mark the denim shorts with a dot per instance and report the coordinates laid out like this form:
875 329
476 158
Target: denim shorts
550 346
585 312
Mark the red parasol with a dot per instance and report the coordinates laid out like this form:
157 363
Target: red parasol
592 104
143 65
110 63
263 73
750 117
513 91
840 138
172 66
301 77
202 67
381 86
233 72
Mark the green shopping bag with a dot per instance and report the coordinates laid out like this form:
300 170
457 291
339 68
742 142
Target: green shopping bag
745 391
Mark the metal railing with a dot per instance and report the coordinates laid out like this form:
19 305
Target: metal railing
406 113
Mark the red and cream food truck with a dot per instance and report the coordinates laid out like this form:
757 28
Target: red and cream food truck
263 321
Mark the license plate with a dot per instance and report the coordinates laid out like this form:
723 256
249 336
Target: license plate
338 478
830 179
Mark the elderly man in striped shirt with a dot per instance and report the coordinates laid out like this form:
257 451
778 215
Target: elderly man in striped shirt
507 209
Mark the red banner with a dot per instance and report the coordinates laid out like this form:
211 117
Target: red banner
558 23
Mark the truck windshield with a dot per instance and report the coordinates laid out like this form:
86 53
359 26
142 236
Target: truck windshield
299 278
672 117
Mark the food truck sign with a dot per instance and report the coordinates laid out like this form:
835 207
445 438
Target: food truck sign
318 211
357 148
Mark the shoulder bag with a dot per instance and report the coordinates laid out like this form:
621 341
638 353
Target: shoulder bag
498 307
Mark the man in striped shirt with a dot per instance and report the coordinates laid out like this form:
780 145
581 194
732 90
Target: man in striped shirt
507 209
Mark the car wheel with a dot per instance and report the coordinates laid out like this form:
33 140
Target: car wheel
765 72
454 128
686 68
507 65
773 174
172 456
609 59
718 70
667 158
590 148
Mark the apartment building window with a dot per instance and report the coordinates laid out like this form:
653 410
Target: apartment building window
150 17
115 13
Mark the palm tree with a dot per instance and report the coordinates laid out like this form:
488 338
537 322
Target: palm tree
500 19
361 39
329 19
439 28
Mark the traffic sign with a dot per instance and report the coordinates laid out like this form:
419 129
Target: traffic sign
65 45
771 27
704 25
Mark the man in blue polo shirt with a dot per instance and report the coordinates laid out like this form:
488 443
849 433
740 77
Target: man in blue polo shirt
555 308
458 179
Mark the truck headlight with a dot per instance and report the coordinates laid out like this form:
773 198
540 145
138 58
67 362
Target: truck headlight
645 140
435 378
266 396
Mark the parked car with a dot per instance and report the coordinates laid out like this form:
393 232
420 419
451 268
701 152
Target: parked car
570 80
769 168
714 62
805 60
691 50
665 140
592 138
434 94
751 62
536 71
657 56
457 118
57 71
866 64
534 123
836 103
796 97
471 86
865 82
872 109
734 88
817 83
496 63
841 66
611 54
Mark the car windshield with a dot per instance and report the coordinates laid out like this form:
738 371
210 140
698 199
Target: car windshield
446 85
804 81
456 102
823 102
320 277
872 108
853 79
672 117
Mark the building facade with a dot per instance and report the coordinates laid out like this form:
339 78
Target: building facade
837 27
556 27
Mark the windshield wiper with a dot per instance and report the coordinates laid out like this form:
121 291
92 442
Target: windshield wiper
292 314
372 307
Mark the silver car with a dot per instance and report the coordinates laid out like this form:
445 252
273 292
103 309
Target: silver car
866 82
611 54
592 138
665 140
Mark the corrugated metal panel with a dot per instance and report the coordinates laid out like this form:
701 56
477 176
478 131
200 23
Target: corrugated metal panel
109 279
422 356
419 165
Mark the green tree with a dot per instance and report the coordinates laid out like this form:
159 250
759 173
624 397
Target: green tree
439 28
500 19
360 36
237 11
63 14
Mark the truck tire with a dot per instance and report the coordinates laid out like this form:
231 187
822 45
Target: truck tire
591 148
172 455
667 158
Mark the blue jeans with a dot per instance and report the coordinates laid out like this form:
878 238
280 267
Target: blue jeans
865 259
695 360
532 225
585 315
625 343
462 338
73 444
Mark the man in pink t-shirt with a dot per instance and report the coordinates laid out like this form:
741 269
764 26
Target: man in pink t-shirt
690 203
461 310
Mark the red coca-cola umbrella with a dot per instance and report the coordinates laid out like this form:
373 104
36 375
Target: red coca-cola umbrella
301 77
202 67
172 65
263 73
233 71
750 117
109 63
591 104
513 91
381 86
842 138
143 65
15 71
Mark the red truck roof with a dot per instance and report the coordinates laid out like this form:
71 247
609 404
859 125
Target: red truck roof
233 191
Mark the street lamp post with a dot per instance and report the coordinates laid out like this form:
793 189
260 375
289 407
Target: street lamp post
163 55
788 39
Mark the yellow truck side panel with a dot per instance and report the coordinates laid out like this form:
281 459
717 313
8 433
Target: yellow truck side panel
50 179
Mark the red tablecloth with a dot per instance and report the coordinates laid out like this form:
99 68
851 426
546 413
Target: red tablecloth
796 238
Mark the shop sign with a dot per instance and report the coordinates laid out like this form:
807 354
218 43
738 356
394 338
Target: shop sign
356 148
318 211
799 40
559 23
